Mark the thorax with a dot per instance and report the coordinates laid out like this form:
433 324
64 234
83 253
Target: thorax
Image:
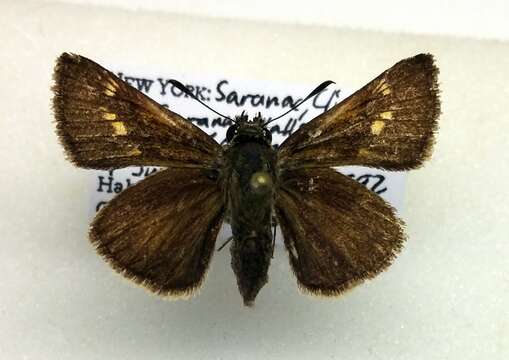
250 177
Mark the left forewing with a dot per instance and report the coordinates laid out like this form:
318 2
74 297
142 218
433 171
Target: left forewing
105 123
337 232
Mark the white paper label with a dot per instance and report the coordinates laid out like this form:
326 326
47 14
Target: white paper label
231 97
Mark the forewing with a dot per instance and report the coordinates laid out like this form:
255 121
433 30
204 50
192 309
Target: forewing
105 123
161 232
337 232
389 123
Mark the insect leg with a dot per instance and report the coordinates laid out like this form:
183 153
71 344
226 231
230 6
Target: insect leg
274 225
225 243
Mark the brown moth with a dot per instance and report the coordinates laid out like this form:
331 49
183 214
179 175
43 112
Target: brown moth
161 232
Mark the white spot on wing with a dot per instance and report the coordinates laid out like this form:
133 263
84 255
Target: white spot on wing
316 133
377 127
119 128
387 115
109 116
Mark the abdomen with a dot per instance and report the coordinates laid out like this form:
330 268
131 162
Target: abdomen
251 194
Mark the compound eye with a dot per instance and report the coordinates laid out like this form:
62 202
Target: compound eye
231 132
267 134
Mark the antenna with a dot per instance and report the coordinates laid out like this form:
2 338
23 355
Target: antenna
316 91
185 90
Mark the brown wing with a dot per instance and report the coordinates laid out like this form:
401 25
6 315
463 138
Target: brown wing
337 232
389 123
104 123
161 232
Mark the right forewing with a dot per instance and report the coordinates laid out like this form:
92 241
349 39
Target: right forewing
390 123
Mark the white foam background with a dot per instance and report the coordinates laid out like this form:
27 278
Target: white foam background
446 296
